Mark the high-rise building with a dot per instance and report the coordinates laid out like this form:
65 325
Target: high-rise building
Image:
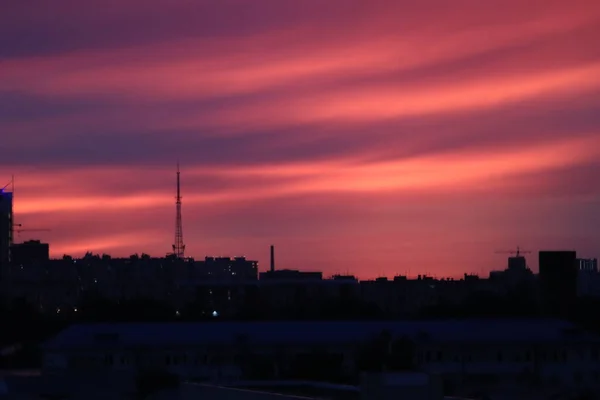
558 280
6 226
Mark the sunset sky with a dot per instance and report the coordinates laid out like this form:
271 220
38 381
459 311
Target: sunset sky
371 137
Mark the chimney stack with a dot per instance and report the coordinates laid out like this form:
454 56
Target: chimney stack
272 258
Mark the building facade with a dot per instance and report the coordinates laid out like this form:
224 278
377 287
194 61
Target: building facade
558 280
588 264
550 352
31 252
6 228
588 278
228 269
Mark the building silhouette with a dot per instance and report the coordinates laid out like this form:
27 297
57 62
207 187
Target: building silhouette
462 353
588 264
6 227
588 278
31 252
291 275
517 263
230 269
558 280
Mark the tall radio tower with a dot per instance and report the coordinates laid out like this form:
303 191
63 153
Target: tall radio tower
178 246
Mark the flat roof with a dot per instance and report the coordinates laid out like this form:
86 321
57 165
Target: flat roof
311 332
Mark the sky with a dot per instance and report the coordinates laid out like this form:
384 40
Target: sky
368 137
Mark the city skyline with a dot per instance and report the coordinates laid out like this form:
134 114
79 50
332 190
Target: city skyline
372 137
517 252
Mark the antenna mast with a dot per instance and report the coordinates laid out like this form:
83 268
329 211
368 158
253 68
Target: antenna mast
178 246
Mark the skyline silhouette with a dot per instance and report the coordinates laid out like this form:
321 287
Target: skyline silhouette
374 139
518 256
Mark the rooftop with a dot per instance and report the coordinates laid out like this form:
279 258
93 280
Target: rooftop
307 332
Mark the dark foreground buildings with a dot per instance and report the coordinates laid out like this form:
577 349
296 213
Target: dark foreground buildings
558 280
31 252
468 353
6 227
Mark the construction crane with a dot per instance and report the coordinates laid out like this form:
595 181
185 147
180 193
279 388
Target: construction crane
18 231
517 252
32 230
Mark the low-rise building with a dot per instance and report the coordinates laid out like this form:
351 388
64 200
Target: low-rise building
588 278
551 352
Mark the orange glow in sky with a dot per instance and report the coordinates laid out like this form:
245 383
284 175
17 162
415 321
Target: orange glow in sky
379 138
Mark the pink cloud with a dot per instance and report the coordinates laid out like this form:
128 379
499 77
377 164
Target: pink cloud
385 117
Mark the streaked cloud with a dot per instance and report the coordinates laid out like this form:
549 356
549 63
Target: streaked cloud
350 133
